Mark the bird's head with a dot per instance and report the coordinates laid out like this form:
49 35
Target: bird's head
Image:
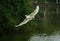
27 16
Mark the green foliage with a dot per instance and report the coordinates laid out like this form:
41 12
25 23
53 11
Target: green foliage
13 12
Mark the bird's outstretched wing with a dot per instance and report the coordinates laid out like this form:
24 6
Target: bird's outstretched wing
35 11
24 22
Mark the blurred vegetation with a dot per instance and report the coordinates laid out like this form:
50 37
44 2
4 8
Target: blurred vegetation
12 12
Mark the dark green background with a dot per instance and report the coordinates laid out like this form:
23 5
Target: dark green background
12 12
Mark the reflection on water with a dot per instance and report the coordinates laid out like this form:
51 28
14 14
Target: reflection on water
45 23
44 37
48 25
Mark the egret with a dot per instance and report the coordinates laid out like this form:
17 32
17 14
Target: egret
29 17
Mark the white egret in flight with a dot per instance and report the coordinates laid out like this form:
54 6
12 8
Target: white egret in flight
29 17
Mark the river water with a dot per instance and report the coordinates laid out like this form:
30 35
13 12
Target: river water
45 37
47 29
